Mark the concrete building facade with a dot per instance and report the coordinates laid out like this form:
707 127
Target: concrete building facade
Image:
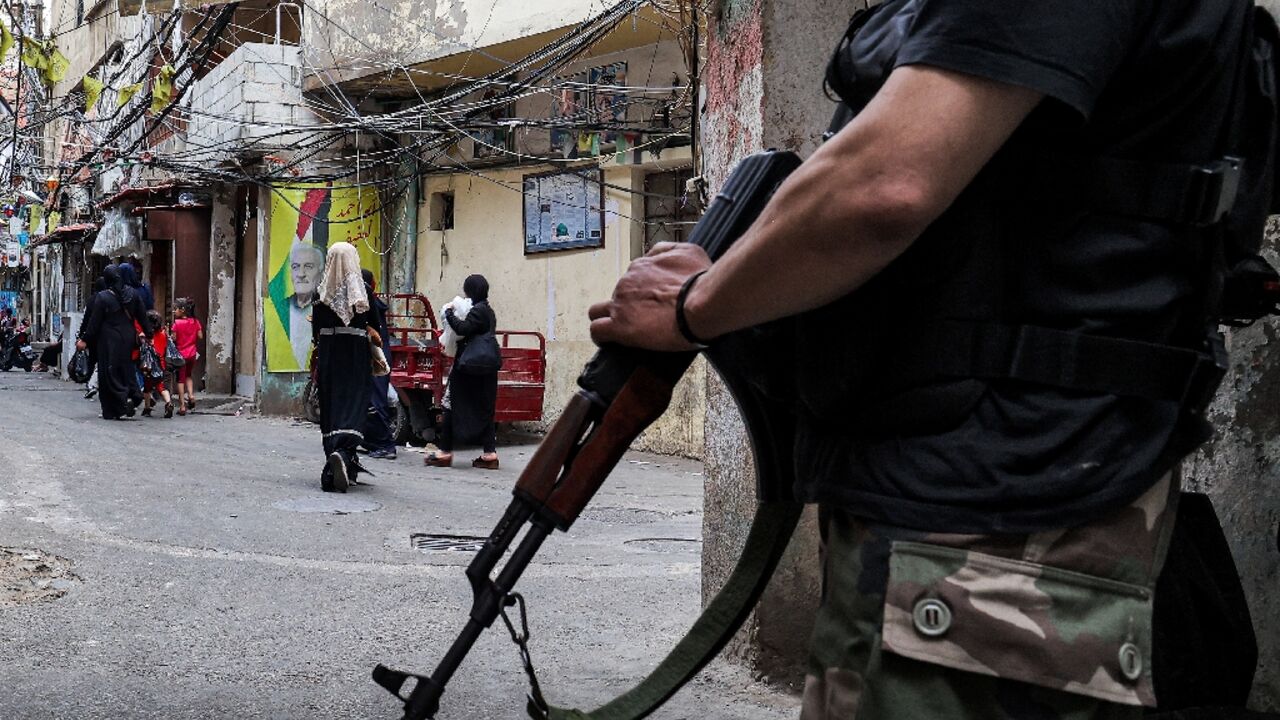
481 176
192 234
292 91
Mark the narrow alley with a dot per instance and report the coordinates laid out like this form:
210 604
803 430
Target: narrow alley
206 575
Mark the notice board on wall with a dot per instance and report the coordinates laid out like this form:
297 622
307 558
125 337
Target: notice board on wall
563 210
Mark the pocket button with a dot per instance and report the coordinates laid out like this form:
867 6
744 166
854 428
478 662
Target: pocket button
1130 661
931 617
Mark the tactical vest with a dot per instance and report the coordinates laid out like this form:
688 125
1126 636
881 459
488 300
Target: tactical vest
913 350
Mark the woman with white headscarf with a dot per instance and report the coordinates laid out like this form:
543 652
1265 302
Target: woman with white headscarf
340 325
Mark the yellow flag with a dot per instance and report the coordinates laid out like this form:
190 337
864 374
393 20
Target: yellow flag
57 66
6 41
126 94
36 220
162 88
92 91
33 54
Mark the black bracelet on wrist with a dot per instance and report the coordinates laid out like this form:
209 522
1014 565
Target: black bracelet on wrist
682 322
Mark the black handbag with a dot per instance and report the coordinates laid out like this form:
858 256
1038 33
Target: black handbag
480 355
78 368
172 357
149 361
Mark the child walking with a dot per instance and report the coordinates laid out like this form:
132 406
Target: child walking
187 332
151 386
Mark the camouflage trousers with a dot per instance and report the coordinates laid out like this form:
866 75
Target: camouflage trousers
1051 625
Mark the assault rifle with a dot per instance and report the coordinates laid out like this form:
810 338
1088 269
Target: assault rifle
622 391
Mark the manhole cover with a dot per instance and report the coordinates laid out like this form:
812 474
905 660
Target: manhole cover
445 543
28 576
664 545
622 515
331 503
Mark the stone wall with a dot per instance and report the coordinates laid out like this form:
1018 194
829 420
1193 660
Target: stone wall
762 85
1239 469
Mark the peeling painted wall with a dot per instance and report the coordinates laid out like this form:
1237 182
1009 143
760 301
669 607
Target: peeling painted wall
761 89
359 36
547 292
1240 469
281 393
220 373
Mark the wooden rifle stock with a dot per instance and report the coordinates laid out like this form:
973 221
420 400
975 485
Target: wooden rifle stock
622 392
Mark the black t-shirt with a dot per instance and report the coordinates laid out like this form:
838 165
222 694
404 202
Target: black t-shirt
1137 79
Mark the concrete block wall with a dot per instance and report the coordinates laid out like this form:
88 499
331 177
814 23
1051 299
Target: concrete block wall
1240 470
252 94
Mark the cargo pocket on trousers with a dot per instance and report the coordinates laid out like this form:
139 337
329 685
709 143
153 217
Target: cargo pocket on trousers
1017 620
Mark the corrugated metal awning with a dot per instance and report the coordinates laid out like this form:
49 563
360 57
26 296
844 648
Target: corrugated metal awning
63 233
137 194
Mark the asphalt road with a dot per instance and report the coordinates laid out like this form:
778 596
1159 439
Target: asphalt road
191 568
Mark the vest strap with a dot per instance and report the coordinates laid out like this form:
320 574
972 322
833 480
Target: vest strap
1177 193
1067 360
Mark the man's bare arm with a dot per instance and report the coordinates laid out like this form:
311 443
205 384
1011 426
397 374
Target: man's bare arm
846 213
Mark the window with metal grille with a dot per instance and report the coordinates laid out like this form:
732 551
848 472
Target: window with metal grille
669 214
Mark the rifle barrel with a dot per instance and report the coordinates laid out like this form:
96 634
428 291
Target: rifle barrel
424 701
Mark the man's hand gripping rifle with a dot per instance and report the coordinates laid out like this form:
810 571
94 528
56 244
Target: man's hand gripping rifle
622 391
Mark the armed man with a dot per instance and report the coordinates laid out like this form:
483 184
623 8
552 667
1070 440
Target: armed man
1002 282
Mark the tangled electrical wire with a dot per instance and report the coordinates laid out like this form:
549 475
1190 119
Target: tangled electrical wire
334 142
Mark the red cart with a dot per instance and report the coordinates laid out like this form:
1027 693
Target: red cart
419 368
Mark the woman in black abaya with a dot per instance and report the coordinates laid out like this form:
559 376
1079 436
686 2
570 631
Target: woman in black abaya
473 396
129 274
110 329
340 325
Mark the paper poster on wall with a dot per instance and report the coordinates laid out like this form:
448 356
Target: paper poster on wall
9 300
563 210
591 97
305 221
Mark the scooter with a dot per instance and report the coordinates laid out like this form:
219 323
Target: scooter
16 350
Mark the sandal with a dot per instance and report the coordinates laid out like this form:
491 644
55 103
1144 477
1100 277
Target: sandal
168 410
480 462
182 410
434 460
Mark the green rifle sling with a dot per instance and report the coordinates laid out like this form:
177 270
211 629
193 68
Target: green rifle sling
771 530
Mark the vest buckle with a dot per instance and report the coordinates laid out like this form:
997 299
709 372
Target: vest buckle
1213 191
1205 377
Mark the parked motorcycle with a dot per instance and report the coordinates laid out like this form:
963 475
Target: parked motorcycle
16 350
